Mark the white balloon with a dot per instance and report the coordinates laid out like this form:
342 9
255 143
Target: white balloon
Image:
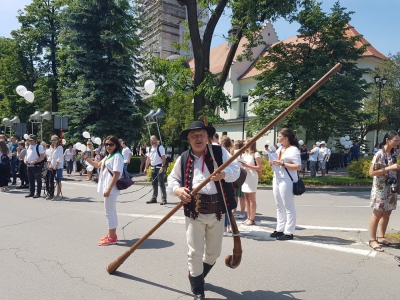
64 141
92 139
74 146
21 90
78 145
86 135
347 138
26 136
267 142
346 146
98 141
29 96
333 148
272 148
149 86
279 144
89 168
301 142
83 148
318 144
366 155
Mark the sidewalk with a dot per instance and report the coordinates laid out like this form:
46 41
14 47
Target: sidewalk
142 179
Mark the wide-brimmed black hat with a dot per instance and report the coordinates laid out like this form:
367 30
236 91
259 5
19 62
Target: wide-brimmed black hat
196 125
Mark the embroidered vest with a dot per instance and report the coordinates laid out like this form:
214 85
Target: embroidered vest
187 160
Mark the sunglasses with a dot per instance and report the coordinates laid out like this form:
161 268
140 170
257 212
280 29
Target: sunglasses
109 145
54 140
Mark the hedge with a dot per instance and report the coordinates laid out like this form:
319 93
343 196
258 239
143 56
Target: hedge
360 168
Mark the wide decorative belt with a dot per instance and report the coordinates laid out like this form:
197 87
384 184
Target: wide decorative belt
205 204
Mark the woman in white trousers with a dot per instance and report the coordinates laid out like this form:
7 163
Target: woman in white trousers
111 169
288 161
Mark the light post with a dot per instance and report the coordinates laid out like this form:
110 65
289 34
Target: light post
244 100
37 117
152 118
380 84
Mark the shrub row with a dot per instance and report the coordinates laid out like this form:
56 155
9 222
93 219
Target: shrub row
360 168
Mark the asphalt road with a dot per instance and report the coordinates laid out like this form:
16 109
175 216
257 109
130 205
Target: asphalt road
49 250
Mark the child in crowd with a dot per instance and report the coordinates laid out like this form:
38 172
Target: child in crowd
97 158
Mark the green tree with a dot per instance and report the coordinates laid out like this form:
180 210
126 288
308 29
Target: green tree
14 71
390 106
292 67
247 17
38 37
100 66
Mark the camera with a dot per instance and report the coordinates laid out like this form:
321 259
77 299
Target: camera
393 184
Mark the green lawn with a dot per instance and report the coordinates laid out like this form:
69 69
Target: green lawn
340 180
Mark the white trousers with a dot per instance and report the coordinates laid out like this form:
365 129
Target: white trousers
204 238
110 207
285 209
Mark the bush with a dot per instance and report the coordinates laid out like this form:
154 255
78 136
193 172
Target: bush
360 168
134 165
268 174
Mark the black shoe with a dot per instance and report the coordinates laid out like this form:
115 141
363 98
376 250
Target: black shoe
285 237
14 183
197 285
26 186
151 201
20 187
276 234
163 202
36 196
30 195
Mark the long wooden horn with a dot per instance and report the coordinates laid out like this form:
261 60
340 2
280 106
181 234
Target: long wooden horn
112 267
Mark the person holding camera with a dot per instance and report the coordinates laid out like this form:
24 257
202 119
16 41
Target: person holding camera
384 169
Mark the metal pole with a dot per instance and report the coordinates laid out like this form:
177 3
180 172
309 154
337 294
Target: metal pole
244 114
158 128
379 110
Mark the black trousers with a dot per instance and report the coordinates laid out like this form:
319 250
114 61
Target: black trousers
4 174
51 173
22 173
158 178
35 174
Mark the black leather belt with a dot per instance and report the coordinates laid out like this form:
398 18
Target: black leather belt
205 204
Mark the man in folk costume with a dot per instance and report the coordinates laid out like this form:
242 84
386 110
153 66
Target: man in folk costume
205 211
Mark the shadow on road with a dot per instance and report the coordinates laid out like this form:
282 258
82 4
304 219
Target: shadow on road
324 239
80 199
131 277
253 295
147 244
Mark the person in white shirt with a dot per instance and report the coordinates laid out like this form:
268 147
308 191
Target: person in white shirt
313 158
55 166
266 151
204 214
322 157
127 154
285 169
33 160
111 168
156 159
215 139
69 156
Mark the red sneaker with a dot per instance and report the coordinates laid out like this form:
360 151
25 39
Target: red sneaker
108 241
103 238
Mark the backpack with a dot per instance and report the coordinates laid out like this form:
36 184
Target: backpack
42 163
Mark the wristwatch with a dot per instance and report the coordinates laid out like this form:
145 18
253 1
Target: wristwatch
283 163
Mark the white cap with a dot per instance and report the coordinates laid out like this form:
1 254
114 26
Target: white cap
323 142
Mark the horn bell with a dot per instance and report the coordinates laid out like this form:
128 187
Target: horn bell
6 121
149 115
46 115
35 116
15 120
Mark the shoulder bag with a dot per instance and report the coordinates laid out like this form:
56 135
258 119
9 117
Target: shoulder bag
124 182
298 187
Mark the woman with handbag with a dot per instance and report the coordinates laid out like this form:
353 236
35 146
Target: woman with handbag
110 171
285 167
251 161
384 191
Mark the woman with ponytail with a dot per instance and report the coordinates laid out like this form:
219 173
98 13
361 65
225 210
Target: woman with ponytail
285 173
384 168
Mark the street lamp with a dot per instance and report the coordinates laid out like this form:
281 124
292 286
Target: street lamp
152 118
244 100
380 84
37 117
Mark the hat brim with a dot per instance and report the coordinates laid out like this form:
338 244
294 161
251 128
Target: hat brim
210 132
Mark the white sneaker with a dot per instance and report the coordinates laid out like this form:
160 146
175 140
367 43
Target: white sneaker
242 216
57 198
225 233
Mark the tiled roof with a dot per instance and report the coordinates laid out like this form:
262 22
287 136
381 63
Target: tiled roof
370 51
219 54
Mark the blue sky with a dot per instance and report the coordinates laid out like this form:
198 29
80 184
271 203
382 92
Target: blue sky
377 20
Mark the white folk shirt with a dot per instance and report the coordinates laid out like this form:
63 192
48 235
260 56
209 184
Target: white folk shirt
56 156
126 153
155 159
115 163
232 173
31 155
289 156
